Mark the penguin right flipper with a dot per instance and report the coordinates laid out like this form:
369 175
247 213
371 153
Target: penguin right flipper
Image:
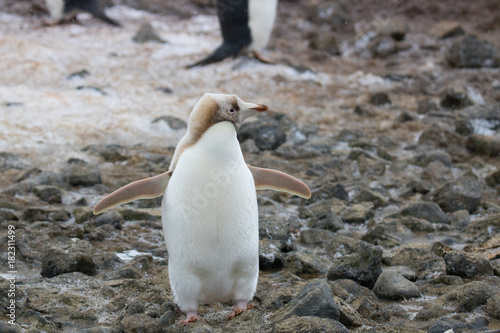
269 179
141 189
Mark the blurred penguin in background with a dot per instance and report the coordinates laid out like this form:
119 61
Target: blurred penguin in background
66 10
246 25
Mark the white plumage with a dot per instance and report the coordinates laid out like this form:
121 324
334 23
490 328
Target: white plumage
210 221
262 14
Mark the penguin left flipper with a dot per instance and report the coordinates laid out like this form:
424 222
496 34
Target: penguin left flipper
269 179
147 188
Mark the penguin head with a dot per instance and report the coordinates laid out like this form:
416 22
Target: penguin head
215 108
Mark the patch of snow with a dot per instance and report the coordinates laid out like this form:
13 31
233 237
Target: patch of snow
484 126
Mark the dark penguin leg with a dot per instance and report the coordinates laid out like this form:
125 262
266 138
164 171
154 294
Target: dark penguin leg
233 19
89 6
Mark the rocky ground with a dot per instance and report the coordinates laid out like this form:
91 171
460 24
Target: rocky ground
389 112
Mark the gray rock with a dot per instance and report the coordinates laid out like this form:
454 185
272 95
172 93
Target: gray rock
287 151
419 257
392 285
470 51
270 255
307 324
449 280
493 306
437 137
140 323
463 126
468 297
363 265
7 215
493 179
357 213
446 324
396 27
423 159
464 193
419 225
483 145
147 33
316 236
467 265
321 215
123 273
168 318
5 327
10 160
68 255
329 191
348 316
83 175
274 228
82 214
135 307
325 41
112 218
379 98
429 211
111 153
39 214
106 260
50 194
367 195
390 232
360 299
426 105
137 215
302 262
315 299
436 174
173 122
455 97
334 14
446 29
268 132
405 271
100 329
461 299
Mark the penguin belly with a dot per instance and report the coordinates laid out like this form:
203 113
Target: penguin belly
210 222
262 14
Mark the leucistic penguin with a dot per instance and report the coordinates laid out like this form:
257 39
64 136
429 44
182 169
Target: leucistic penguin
209 209
245 25
60 10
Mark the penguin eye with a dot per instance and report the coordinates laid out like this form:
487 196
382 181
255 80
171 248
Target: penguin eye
231 111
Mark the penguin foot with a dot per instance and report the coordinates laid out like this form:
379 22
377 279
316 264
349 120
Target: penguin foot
191 318
240 307
261 58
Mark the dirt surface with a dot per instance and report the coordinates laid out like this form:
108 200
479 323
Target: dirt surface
399 144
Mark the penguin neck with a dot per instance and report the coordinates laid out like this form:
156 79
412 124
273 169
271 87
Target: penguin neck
219 139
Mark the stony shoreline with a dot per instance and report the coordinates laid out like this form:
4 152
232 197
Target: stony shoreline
395 127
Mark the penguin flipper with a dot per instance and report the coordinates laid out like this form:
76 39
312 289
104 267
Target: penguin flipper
224 51
147 188
269 179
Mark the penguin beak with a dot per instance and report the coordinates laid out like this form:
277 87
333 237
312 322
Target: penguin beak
260 108
250 109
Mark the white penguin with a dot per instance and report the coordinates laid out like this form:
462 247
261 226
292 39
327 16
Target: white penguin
209 209
245 25
59 9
